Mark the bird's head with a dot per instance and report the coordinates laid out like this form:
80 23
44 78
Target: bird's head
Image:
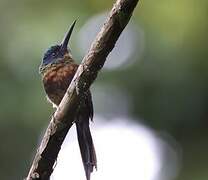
57 52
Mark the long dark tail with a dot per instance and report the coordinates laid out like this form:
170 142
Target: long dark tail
84 136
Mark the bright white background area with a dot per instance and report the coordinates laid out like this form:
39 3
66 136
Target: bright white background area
125 150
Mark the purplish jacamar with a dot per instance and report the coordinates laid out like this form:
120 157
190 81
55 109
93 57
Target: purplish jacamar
58 69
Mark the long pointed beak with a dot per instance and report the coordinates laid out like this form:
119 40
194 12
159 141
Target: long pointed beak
65 41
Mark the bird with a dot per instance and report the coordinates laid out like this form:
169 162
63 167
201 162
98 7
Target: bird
57 70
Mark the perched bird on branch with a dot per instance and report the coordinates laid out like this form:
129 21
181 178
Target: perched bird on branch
58 69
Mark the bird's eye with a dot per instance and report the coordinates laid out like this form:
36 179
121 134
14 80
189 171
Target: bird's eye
53 54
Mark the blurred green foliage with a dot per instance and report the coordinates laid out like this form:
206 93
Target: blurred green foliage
168 85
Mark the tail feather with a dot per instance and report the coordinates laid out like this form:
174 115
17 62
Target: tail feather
84 114
86 146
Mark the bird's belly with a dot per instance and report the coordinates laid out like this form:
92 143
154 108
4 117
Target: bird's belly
57 80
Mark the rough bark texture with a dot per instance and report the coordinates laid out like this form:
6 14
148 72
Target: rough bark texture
42 165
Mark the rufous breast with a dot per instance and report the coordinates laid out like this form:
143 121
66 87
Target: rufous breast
56 80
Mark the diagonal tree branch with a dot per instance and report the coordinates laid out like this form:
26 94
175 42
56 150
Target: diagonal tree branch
47 153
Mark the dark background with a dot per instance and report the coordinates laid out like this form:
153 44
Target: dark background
166 81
